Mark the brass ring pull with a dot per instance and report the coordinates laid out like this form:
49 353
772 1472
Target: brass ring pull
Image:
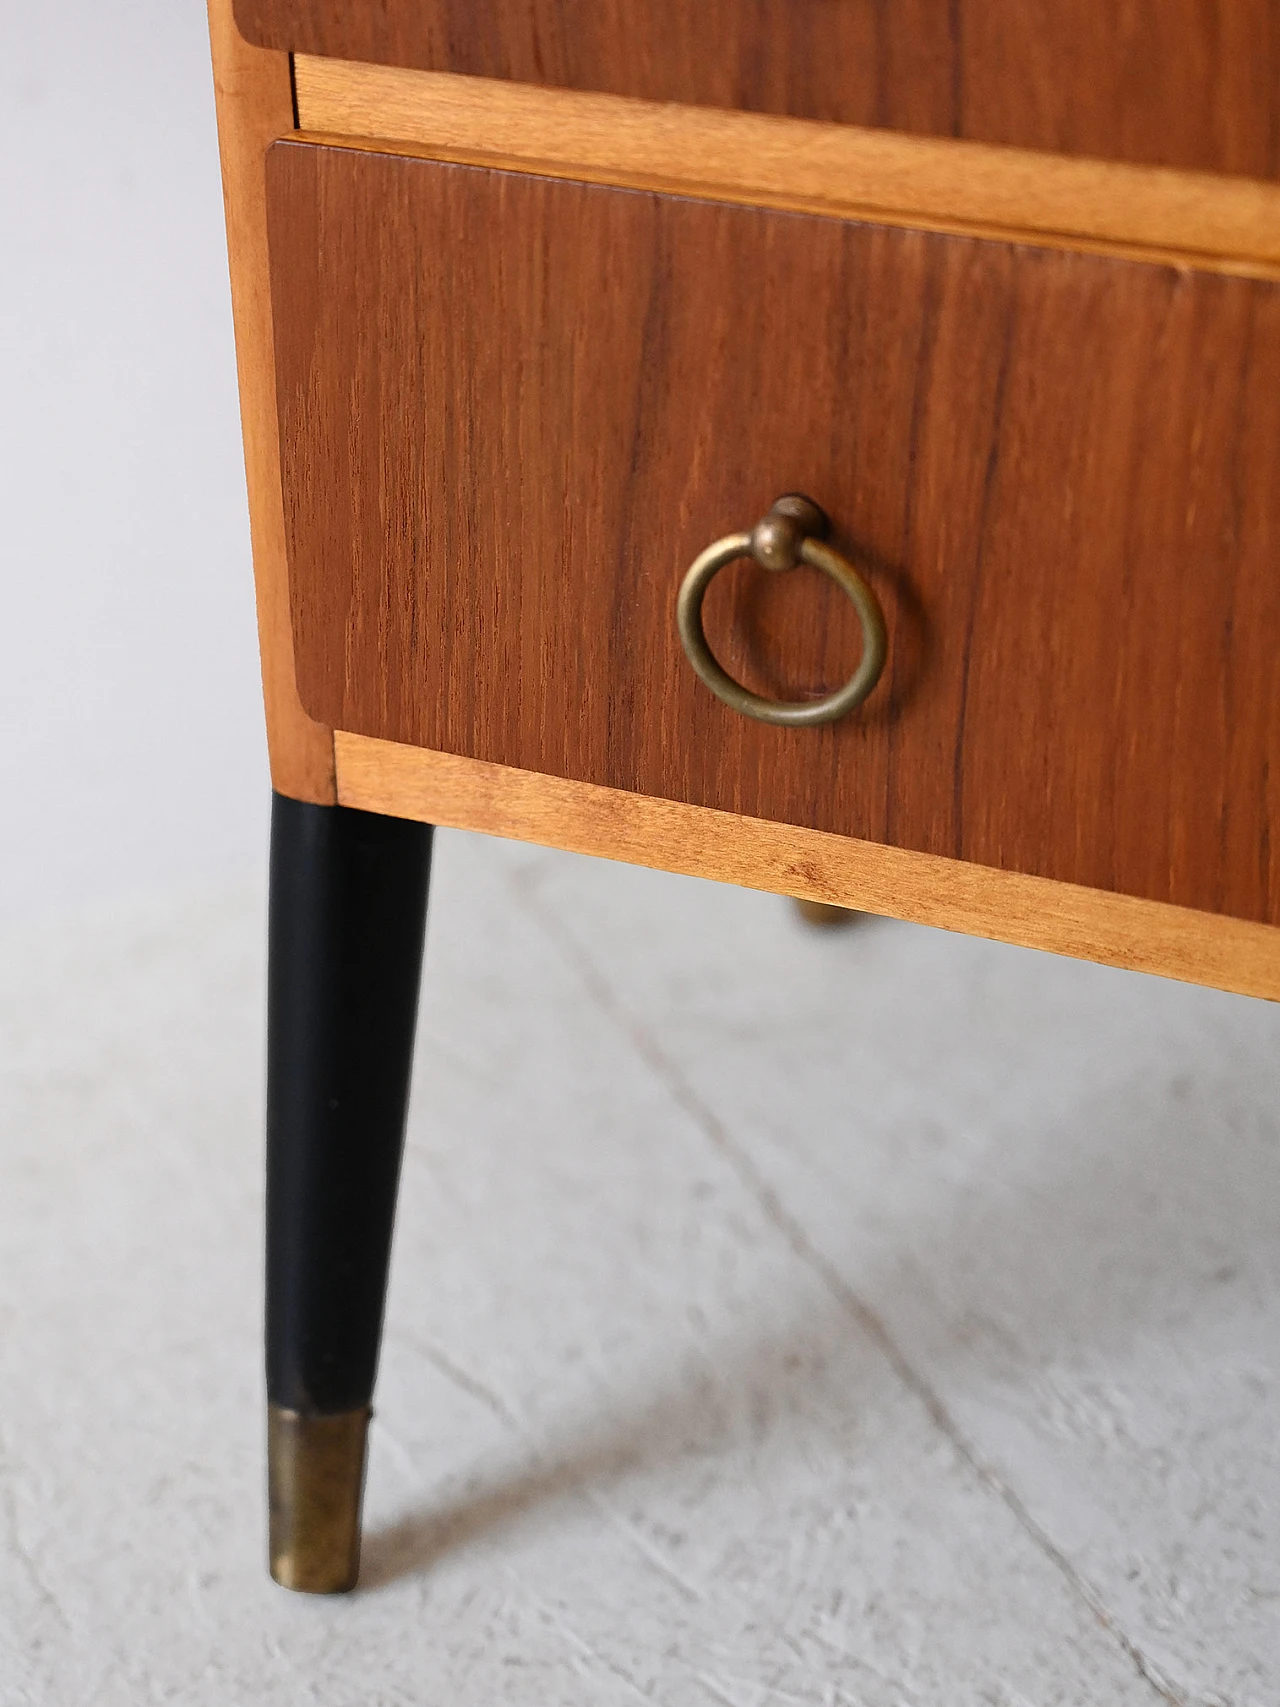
791 533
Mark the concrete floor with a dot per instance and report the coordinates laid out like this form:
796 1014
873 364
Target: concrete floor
778 1316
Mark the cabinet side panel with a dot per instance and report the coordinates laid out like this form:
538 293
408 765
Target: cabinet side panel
255 105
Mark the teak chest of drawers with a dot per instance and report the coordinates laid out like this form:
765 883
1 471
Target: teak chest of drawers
536 302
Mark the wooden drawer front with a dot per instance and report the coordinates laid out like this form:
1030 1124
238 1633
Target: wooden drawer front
513 410
1192 83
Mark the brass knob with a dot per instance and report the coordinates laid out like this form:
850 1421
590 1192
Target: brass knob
791 533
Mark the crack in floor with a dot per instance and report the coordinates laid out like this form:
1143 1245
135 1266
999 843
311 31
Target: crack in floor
504 1413
589 1652
524 884
13 1523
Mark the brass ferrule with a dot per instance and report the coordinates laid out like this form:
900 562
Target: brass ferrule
315 1482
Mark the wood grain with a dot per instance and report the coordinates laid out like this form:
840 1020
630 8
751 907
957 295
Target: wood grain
513 409
971 189
1192 83
255 105
1117 930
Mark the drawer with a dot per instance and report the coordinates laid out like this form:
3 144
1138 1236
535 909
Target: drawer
1193 83
513 409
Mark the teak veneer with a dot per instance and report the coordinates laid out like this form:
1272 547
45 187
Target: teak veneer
1187 83
509 427
969 189
254 95
1062 918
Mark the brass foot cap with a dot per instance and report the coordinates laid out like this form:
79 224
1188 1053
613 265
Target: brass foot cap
823 913
315 1480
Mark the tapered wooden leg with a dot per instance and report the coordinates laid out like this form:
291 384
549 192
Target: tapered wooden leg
348 905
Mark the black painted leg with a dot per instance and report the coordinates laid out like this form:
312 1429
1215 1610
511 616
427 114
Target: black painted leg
348 908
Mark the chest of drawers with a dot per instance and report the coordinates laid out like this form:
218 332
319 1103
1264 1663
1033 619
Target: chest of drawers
536 302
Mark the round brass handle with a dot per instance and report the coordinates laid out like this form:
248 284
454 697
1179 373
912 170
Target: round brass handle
789 534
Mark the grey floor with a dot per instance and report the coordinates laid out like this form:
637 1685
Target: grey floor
873 1317
777 1317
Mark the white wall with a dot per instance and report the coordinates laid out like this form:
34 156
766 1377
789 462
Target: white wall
132 753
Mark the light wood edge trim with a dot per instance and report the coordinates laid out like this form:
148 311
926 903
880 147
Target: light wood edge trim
1197 219
1089 924
254 95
